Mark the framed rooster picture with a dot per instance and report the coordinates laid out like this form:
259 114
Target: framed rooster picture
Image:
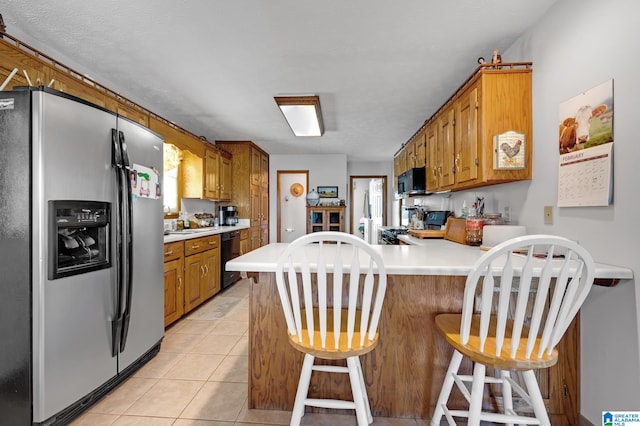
509 150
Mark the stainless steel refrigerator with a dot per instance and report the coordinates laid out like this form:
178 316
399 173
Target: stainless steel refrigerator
81 275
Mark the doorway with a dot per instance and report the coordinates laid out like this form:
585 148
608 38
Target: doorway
292 204
368 196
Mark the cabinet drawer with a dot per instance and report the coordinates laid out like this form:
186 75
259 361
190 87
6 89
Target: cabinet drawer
198 245
173 250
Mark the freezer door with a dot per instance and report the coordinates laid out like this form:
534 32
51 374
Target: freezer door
15 246
144 310
71 315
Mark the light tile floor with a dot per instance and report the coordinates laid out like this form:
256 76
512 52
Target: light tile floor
199 378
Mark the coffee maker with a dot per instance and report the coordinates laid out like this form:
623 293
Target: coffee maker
228 215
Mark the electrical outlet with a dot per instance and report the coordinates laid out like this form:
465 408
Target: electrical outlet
548 215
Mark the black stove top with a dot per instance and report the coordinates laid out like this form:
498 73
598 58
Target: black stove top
390 235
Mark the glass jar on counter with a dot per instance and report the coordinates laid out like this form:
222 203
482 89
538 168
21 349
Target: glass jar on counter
493 219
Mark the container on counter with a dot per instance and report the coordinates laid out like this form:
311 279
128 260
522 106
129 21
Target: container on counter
493 219
474 224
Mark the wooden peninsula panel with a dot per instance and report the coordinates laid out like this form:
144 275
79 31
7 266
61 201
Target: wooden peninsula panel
403 374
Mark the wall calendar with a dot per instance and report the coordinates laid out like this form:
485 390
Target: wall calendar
585 171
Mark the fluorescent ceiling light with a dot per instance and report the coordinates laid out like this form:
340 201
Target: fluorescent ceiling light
302 113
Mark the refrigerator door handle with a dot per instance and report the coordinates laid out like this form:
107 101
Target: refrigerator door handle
116 323
128 234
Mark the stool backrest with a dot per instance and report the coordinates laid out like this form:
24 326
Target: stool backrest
503 282
312 259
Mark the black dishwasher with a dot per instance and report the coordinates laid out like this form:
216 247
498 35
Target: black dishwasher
230 250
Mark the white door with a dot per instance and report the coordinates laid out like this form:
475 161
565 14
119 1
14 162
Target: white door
292 205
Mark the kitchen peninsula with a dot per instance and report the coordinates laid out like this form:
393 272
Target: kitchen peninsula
404 374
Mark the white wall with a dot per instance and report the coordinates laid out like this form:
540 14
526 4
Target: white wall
324 170
576 46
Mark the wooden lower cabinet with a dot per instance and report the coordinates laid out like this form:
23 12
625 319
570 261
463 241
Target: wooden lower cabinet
202 270
191 275
325 218
173 282
244 241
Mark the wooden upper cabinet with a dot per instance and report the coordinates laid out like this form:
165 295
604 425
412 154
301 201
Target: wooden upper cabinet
259 168
402 161
202 177
419 149
225 177
256 164
504 105
460 136
466 137
250 176
410 155
445 149
191 178
205 172
396 171
264 171
211 186
431 172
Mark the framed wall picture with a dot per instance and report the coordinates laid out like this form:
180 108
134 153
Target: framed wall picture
509 150
328 191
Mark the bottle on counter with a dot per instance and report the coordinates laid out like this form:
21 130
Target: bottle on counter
464 213
474 226
185 219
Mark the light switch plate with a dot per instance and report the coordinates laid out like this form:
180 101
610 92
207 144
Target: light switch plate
548 215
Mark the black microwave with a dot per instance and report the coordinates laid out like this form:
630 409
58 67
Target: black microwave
412 182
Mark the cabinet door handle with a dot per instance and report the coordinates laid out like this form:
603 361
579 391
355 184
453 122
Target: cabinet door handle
201 271
206 269
179 282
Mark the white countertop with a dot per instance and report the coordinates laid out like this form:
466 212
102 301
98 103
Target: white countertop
202 232
431 257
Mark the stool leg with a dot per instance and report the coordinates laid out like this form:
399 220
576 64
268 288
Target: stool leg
447 385
477 390
303 390
506 393
536 397
354 377
364 392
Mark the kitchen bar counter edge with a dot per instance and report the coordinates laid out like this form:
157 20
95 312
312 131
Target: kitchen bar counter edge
431 257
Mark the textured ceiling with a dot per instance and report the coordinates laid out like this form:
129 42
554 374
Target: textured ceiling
380 67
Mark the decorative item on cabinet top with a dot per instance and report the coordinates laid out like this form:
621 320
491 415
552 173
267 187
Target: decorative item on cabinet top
313 198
